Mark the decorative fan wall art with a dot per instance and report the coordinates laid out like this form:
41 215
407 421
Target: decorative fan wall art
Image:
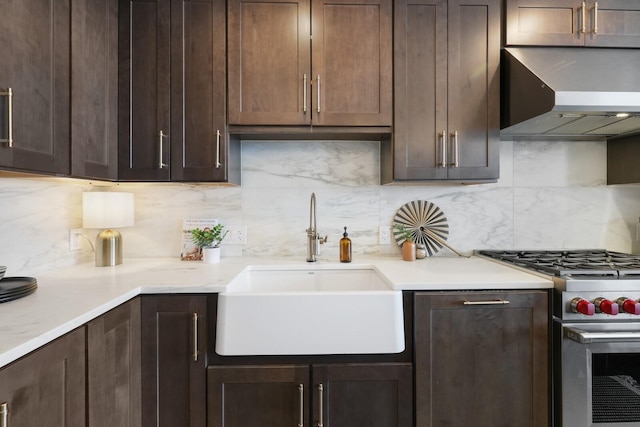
426 222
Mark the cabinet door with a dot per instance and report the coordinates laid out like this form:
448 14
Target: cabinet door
265 396
605 23
614 23
94 84
174 354
198 62
269 62
113 366
545 22
473 89
484 364
375 395
143 110
34 47
352 62
420 82
47 387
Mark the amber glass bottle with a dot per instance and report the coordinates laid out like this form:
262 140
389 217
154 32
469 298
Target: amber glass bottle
345 247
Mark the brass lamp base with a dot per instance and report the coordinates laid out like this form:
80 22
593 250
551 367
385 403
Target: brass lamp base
108 248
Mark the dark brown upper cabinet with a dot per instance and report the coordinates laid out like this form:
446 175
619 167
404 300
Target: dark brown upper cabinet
144 90
94 89
326 63
622 164
446 90
199 147
602 23
35 85
172 115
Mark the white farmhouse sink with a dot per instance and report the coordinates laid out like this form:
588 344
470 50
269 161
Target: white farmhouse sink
291 310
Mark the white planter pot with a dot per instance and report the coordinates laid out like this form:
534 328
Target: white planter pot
210 255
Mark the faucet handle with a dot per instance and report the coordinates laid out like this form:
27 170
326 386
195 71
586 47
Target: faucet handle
323 241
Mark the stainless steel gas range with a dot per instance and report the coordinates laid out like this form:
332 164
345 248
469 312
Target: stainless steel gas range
596 332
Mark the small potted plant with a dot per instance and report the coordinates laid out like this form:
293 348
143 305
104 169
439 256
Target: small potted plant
408 245
208 240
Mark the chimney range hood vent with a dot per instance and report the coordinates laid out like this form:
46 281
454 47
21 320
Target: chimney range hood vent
569 93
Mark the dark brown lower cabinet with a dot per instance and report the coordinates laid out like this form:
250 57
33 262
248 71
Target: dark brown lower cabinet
114 367
174 372
47 387
481 359
374 394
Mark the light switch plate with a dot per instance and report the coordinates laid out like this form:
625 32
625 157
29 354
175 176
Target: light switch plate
237 235
384 235
75 239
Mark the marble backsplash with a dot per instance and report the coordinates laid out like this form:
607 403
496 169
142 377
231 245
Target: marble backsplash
551 194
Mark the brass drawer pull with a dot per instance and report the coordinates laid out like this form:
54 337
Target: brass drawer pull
321 407
195 337
218 164
301 390
4 414
304 94
161 163
443 149
9 94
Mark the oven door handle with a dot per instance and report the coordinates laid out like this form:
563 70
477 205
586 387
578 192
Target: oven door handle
585 337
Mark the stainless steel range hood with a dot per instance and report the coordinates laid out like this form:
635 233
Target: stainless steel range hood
569 93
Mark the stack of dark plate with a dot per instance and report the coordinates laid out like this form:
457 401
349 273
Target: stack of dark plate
15 287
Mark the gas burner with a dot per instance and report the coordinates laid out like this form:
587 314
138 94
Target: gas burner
596 263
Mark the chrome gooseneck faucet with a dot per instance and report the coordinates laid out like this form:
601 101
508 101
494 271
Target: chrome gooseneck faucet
313 238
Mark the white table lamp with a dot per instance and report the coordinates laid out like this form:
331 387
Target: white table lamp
107 210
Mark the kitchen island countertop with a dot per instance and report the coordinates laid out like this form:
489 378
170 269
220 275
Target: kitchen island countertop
70 297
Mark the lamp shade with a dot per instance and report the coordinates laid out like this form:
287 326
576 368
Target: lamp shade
104 209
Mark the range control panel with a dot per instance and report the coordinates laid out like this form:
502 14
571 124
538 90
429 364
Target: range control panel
603 306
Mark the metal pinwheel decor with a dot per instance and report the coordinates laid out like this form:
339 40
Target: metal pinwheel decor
426 222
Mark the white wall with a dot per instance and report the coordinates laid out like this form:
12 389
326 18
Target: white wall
551 195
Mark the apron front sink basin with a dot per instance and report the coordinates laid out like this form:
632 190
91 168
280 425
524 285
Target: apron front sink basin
285 310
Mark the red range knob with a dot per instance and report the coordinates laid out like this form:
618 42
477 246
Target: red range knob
581 305
629 306
606 306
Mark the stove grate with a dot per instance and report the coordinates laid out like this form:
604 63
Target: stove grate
593 263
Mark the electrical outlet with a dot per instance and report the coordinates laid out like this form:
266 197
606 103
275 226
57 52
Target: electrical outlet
384 235
75 239
237 235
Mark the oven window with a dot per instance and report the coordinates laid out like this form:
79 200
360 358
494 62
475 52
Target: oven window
615 396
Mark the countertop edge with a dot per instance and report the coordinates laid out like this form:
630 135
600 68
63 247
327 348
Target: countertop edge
124 284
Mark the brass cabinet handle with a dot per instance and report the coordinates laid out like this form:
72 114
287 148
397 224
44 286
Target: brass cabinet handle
9 94
218 164
318 82
443 149
4 414
195 337
583 14
161 163
301 390
304 94
490 302
321 407
595 18
456 150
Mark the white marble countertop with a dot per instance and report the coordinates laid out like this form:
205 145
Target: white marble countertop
70 297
